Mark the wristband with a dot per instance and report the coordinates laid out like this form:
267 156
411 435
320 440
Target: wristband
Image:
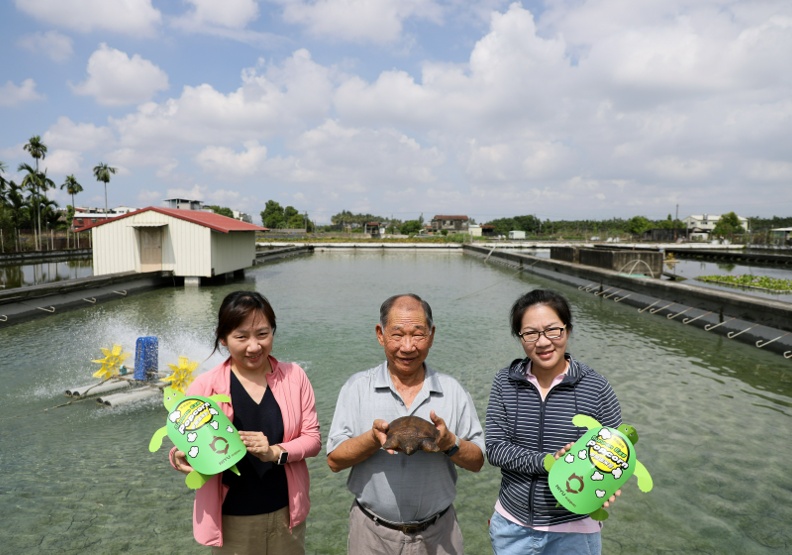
453 451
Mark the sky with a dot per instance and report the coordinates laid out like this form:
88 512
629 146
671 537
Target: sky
561 109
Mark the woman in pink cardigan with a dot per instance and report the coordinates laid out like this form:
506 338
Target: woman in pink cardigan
263 510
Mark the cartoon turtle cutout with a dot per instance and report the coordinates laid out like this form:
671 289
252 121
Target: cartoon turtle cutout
596 465
198 427
409 434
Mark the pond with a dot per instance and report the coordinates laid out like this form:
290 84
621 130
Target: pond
710 412
49 271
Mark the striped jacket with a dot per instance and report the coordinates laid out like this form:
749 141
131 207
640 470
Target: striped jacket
521 430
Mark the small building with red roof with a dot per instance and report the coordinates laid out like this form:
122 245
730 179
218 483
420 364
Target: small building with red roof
189 243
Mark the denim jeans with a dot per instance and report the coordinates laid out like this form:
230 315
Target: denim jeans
509 538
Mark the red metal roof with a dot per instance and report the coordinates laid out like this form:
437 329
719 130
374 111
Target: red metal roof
213 221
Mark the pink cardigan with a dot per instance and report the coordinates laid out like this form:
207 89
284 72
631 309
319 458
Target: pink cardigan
294 394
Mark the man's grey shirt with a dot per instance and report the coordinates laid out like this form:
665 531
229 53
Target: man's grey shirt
402 488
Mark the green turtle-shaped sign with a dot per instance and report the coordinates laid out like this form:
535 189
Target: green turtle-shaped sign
595 467
198 427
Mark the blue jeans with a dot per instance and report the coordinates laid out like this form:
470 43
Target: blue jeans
509 538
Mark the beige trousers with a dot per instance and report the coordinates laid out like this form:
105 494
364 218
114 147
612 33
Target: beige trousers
366 537
266 534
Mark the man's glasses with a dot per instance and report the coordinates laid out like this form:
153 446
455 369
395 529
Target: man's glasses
549 333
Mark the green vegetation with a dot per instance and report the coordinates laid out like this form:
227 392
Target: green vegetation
754 282
728 226
222 210
274 216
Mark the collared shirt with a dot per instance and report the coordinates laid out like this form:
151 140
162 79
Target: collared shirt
402 488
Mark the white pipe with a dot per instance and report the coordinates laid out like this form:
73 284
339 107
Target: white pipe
97 388
126 398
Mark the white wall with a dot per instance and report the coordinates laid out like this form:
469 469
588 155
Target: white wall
188 249
233 251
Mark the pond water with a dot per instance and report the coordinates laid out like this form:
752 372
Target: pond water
34 273
711 412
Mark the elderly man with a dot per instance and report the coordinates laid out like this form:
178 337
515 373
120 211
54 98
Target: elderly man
403 504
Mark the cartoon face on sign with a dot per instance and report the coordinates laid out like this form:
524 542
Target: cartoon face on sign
595 467
198 427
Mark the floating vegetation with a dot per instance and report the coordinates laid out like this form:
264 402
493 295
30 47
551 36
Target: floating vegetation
776 285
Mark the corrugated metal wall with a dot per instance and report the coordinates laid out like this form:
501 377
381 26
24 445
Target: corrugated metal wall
233 251
115 249
188 249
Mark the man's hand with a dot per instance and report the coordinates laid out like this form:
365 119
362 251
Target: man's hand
445 440
379 433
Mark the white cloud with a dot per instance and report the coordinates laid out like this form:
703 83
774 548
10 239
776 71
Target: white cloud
271 101
14 95
232 14
372 21
223 161
56 46
115 79
67 134
133 17
577 110
62 162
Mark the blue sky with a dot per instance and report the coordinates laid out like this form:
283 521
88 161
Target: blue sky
564 109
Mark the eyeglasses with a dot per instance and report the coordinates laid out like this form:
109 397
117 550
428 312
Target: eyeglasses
549 333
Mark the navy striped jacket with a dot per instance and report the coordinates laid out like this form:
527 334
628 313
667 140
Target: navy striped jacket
521 430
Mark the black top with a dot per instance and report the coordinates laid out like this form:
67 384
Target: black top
261 487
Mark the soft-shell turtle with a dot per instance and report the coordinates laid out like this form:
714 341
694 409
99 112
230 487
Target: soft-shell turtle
198 427
410 434
595 466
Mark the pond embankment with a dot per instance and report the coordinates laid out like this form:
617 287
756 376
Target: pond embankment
764 323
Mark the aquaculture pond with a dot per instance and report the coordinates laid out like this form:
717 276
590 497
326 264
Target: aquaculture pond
712 414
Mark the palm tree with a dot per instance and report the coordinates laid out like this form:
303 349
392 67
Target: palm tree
38 151
73 188
20 209
3 182
102 173
36 182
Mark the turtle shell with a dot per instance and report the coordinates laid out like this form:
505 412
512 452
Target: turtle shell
409 434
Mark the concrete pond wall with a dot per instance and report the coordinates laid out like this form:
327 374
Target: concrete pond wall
765 323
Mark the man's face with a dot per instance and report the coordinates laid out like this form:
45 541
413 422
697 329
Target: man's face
406 338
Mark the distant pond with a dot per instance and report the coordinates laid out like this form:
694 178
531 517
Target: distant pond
34 273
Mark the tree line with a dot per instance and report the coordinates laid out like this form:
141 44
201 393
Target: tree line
25 208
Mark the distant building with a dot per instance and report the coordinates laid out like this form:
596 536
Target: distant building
183 204
374 229
189 243
517 234
242 217
781 235
450 223
86 217
700 226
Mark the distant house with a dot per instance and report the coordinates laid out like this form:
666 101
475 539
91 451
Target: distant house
190 243
781 235
183 204
450 223
700 226
242 216
86 217
374 229
517 234
487 230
